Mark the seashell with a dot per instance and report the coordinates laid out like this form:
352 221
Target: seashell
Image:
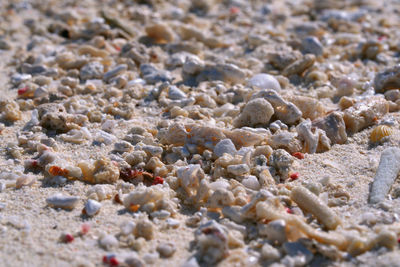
92 207
63 202
380 132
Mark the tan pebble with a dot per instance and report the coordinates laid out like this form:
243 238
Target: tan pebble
144 229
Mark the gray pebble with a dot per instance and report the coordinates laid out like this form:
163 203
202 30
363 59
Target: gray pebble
152 75
92 70
225 146
296 248
114 72
175 94
311 45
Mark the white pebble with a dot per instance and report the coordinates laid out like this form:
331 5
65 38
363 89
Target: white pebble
175 94
251 182
173 223
108 241
166 250
127 228
92 207
264 81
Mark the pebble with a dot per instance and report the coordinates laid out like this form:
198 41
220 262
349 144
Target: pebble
268 252
296 248
275 231
386 174
251 182
166 250
311 45
92 207
132 261
114 72
92 70
173 223
108 242
127 228
224 146
144 228
63 202
175 93
238 169
152 75
264 81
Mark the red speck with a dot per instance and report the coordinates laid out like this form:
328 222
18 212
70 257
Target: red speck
234 10
381 38
105 259
398 240
34 163
23 90
298 155
114 262
117 47
85 228
295 176
68 238
158 180
289 210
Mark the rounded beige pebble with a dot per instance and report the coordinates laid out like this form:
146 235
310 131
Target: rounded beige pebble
256 111
144 229
166 250
309 202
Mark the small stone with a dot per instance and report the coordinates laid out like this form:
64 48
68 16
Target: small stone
145 229
238 169
107 242
256 112
264 81
268 252
251 182
63 202
175 93
152 75
92 70
275 231
92 207
127 228
134 262
224 146
151 258
114 72
311 45
173 223
166 250
296 248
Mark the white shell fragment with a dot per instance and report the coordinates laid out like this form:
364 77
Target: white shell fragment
63 202
92 207
388 169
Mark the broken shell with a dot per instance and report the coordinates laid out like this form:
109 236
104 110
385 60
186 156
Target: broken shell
63 202
380 132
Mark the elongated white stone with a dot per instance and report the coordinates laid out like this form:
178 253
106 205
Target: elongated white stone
389 167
